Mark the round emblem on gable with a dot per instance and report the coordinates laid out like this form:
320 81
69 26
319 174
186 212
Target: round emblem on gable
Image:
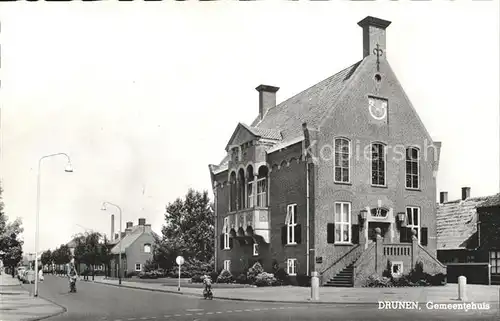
377 108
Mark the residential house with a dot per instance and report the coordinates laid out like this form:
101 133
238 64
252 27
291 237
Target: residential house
468 231
339 179
136 246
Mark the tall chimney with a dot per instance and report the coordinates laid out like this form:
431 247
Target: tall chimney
443 197
112 226
142 221
129 224
267 98
373 34
465 193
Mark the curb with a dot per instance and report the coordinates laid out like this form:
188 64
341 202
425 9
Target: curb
265 301
63 309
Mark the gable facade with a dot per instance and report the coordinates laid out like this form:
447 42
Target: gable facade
313 200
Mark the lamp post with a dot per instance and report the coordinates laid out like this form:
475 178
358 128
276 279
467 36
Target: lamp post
68 169
103 208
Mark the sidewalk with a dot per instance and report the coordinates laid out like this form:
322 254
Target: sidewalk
295 294
17 304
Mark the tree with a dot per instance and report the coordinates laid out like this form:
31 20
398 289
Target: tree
46 258
188 230
62 255
11 247
88 249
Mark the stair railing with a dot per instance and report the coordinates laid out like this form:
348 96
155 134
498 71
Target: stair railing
342 262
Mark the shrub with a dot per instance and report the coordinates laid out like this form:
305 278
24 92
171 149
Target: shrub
375 281
197 279
194 267
214 276
242 279
225 277
303 280
131 274
282 277
255 270
265 279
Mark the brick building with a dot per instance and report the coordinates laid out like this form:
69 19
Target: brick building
469 231
308 183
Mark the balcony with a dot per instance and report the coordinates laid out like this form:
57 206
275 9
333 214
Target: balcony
251 222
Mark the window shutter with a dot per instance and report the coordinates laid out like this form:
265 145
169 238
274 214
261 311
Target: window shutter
330 237
355 234
298 236
221 241
283 234
423 237
404 235
231 243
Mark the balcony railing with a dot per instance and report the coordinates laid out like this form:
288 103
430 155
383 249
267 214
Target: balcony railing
397 249
254 220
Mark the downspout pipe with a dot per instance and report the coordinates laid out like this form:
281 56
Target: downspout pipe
307 216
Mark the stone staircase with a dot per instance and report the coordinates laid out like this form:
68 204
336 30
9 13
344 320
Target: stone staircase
344 278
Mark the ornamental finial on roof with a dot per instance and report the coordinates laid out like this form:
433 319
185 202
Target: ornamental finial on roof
379 52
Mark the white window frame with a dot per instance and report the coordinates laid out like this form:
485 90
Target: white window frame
227 265
494 260
147 246
400 263
384 149
262 196
250 196
140 267
409 149
290 222
255 249
340 161
225 231
343 225
291 267
410 213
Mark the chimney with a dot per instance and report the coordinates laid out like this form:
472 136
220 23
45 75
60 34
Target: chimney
142 221
129 224
267 98
465 193
373 34
116 236
112 226
443 197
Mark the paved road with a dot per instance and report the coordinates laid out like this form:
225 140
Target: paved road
103 302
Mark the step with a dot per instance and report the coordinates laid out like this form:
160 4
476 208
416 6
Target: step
339 285
340 282
342 277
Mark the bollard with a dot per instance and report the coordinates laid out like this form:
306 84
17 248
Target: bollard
462 283
314 286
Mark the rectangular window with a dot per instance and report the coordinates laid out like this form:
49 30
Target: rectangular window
378 162
291 266
225 230
255 249
227 265
262 192
147 248
342 160
291 221
250 195
413 214
342 222
138 267
412 168
495 262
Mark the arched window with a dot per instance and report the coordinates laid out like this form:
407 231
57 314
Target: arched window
250 195
241 189
412 170
342 160
147 248
378 164
379 212
262 186
232 192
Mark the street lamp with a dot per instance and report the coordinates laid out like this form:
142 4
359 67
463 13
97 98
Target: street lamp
103 208
68 169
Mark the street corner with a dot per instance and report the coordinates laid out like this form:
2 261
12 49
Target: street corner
17 304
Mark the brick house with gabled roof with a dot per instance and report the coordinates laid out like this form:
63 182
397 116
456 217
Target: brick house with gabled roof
281 201
468 230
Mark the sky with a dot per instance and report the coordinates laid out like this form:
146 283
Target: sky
143 96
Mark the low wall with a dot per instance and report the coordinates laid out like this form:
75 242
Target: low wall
476 273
